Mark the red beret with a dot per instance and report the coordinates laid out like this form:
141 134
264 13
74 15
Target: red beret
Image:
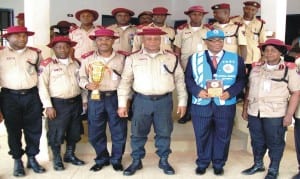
160 11
275 42
152 31
117 10
95 13
149 13
57 39
220 6
20 16
103 33
195 9
17 29
252 3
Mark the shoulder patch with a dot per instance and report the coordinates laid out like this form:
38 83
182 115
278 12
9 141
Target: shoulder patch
35 49
125 53
45 62
182 26
290 65
87 54
255 64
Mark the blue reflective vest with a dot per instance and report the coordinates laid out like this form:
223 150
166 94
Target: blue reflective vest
227 71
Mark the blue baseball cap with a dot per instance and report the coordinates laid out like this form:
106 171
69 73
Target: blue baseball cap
215 34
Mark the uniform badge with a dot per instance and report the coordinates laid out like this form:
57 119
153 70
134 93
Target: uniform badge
228 68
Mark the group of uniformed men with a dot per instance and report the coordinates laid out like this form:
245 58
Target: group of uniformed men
88 70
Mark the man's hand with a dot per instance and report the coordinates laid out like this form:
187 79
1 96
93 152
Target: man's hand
245 115
92 86
287 120
51 113
225 95
181 110
1 117
203 94
123 112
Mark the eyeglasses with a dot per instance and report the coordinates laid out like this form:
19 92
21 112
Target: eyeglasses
215 40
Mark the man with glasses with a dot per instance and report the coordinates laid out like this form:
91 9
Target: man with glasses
214 77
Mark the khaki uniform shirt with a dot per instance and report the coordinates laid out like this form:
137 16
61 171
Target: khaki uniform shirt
255 34
111 76
58 80
125 40
232 42
268 97
166 40
146 74
190 42
18 69
84 43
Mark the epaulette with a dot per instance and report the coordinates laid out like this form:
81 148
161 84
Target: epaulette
35 49
45 62
238 23
255 64
261 20
209 26
171 52
87 54
290 65
73 27
123 53
182 26
2 47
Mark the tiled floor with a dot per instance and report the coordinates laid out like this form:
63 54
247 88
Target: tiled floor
182 158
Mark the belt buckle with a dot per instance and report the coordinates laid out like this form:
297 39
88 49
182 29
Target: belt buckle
22 92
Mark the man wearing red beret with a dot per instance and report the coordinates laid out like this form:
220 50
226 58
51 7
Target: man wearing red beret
20 19
153 74
100 75
20 102
159 21
255 31
61 98
235 40
145 18
81 34
123 29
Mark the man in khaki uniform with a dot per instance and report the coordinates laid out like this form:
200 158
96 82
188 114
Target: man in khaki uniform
61 97
153 74
235 40
81 34
271 100
145 18
189 40
123 29
255 31
100 74
159 21
20 102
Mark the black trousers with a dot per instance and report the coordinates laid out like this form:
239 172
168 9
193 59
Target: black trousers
67 124
23 115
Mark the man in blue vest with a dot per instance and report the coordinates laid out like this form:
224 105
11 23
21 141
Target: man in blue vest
214 77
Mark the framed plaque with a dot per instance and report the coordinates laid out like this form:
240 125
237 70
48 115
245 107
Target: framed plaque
214 88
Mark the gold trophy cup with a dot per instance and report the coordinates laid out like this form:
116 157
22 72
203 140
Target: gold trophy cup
96 74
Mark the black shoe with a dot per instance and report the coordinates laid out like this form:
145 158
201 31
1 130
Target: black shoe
272 174
18 168
36 167
200 171
117 166
297 176
57 163
70 157
184 120
133 167
255 168
218 171
98 167
167 168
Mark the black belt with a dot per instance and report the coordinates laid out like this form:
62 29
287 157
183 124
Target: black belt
108 93
19 92
68 100
153 97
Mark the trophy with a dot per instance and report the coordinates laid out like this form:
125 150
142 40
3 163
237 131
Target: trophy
96 73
